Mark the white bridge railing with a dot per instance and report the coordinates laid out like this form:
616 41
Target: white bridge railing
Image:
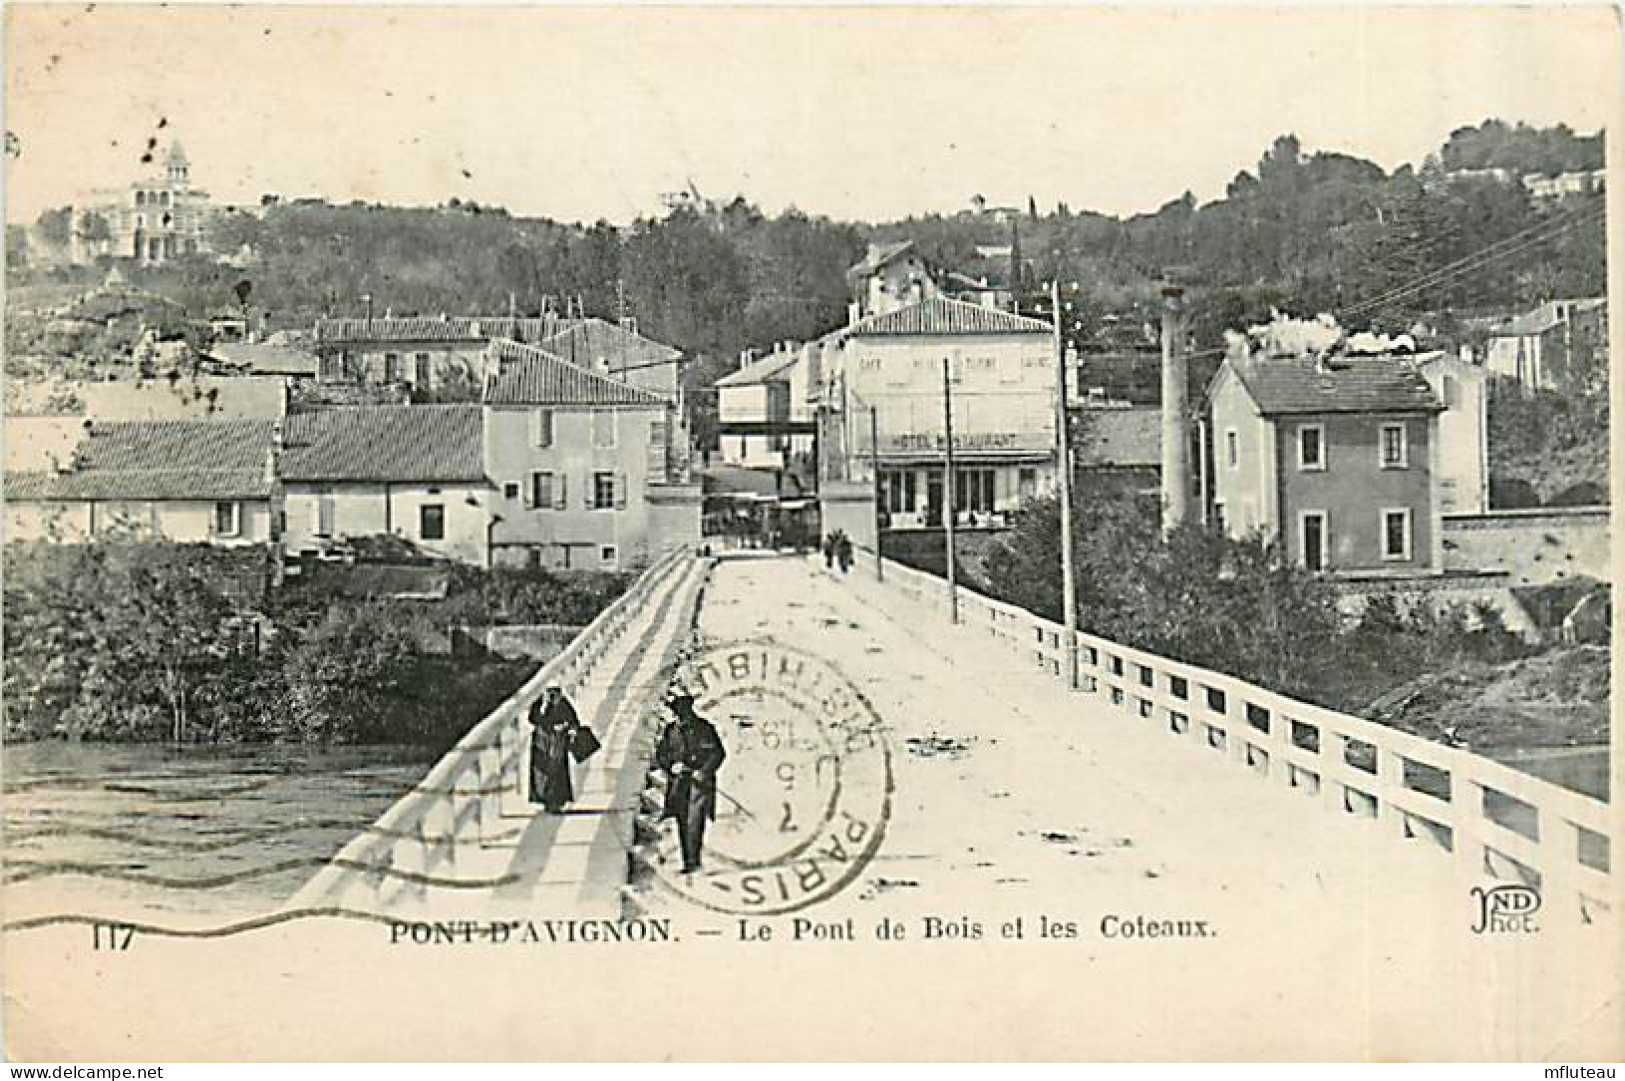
1498 821
417 845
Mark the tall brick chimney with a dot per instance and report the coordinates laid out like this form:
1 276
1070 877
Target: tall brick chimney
1176 466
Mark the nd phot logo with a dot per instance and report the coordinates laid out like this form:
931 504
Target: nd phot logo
1506 909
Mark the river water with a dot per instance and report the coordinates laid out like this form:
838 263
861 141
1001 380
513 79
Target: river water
196 834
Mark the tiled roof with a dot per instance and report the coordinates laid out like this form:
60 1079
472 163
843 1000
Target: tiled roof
879 255
774 367
588 341
397 443
529 375
944 316
262 358
1354 386
174 459
1120 437
458 328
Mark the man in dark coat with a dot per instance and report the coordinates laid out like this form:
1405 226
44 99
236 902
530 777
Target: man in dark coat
843 551
553 725
690 752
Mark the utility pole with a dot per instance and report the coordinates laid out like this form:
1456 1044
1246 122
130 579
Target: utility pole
1063 460
874 465
948 487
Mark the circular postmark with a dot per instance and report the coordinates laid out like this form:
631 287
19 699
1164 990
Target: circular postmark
805 792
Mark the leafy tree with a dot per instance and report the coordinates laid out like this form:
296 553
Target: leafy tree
55 226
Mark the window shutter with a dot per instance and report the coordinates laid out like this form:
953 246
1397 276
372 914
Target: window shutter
560 491
530 493
620 491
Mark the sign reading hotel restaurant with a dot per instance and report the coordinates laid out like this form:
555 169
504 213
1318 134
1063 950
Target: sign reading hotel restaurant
933 442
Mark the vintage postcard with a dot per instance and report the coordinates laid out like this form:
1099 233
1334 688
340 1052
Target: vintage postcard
810 533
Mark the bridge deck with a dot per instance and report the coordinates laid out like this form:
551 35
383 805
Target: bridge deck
1017 797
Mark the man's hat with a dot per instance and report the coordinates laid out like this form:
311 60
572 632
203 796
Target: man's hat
680 700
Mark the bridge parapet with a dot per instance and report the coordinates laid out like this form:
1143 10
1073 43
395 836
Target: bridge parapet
423 841
1496 821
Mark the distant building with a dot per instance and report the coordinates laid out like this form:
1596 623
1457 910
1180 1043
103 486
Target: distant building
1561 345
448 354
193 481
264 358
152 221
988 290
889 277
1548 189
1002 371
765 391
1338 461
426 353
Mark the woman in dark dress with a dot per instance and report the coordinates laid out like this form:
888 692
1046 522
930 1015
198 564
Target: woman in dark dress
553 725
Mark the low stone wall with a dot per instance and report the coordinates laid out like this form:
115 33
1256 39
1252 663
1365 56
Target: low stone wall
535 641
1537 546
1440 593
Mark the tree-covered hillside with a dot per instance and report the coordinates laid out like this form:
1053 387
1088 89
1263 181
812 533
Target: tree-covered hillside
1304 232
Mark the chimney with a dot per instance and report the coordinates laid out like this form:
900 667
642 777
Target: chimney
1015 261
1175 450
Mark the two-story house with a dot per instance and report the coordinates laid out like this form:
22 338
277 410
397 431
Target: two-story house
890 381
1338 461
586 467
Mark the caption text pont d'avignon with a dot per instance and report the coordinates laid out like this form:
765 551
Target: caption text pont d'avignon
1017 928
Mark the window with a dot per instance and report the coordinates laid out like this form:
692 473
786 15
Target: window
973 491
899 491
510 490
1312 447
1027 483
603 429
541 489
1218 514
228 519
603 491
1395 452
392 367
1451 392
324 515
541 422
1312 539
432 521
421 371
1232 449
606 554
1396 534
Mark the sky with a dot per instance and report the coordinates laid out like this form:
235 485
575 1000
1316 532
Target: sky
857 113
